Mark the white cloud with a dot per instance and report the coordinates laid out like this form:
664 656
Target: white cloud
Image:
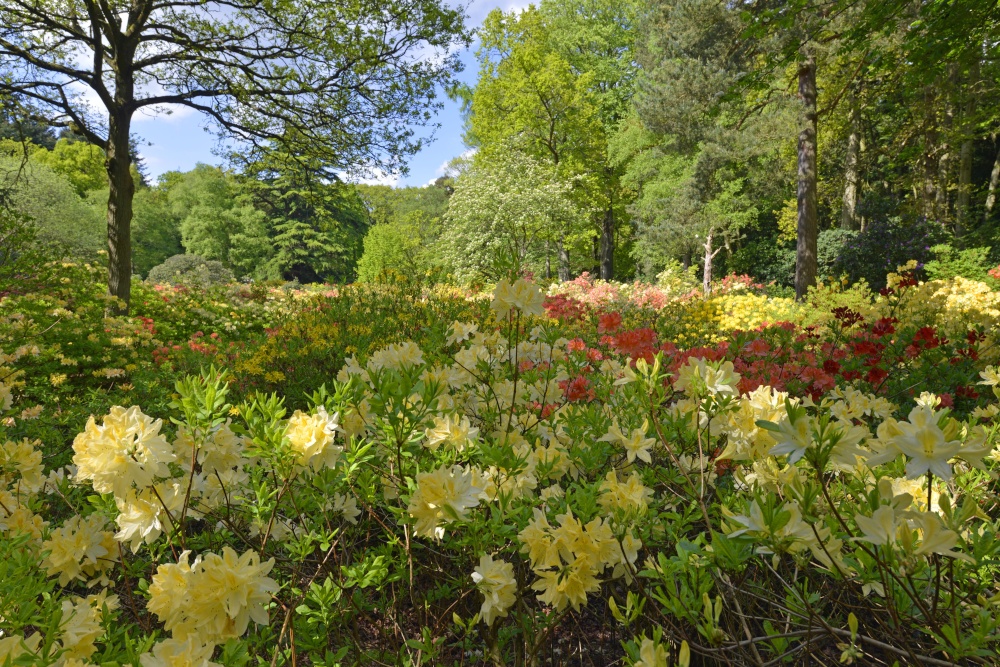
377 177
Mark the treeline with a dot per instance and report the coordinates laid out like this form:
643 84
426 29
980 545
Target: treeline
273 219
622 137
778 138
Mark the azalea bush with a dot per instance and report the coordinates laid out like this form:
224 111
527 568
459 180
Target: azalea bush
478 497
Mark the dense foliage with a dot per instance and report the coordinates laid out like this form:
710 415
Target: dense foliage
422 475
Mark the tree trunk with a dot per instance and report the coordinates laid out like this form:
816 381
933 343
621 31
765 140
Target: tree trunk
608 244
563 256
548 260
118 164
991 194
963 202
849 212
964 187
805 252
706 280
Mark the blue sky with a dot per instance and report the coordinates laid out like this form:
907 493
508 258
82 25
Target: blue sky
179 141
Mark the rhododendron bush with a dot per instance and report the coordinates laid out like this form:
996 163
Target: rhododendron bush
516 491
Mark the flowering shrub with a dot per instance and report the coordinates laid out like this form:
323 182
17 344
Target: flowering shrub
482 493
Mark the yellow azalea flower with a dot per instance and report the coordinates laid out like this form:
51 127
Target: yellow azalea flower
567 585
880 527
926 445
651 654
991 377
443 496
637 445
80 624
631 495
522 295
189 652
454 430
80 548
15 646
461 331
311 438
126 451
215 597
495 580
935 538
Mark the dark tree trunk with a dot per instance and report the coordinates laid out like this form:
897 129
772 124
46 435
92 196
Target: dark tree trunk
991 193
608 244
849 212
964 200
563 257
121 191
805 252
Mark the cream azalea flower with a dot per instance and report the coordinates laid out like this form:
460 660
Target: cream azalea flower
345 506
698 377
880 527
15 646
495 580
522 295
6 397
221 449
461 331
80 549
651 654
80 624
396 356
636 445
928 447
126 450
935 537
25 458
443 496
139 518
311 438
793 437
214 598
454 430
189 652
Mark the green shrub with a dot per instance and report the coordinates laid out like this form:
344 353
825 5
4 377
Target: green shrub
190 269
971 263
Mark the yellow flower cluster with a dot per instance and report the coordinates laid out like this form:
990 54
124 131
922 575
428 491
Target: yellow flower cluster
522 295
442 496
311 438
495 579
955 305
568 559
708 320
125 452
206 602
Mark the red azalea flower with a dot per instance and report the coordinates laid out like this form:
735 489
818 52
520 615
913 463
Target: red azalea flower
876 375
577 389
608 322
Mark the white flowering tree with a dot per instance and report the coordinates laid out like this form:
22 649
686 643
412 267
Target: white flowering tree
509 204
